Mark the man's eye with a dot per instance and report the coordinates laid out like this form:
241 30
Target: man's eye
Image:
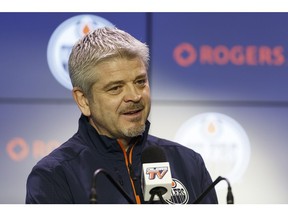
115 90
141 82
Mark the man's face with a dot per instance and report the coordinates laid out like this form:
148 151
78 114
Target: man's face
120 101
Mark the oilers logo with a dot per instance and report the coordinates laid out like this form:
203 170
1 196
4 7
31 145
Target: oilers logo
179 194
222 142
63 39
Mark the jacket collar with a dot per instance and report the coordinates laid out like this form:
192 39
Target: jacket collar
104 145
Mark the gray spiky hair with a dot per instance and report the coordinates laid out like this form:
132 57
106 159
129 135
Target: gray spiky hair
100 45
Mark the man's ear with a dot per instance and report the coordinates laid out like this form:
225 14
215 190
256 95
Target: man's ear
81 100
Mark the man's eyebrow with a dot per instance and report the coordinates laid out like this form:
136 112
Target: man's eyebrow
143 75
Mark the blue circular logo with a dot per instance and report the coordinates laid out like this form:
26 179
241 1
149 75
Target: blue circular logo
63 39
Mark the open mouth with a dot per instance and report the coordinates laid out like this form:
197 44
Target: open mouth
132 112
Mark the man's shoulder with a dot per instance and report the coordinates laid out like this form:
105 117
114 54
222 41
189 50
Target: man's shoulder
173 146
68 151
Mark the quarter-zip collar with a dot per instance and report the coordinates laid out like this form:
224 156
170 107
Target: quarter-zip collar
106 146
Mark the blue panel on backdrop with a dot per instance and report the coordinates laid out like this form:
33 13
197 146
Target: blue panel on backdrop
220 56
23 55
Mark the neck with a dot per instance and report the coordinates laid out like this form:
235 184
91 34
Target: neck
124 143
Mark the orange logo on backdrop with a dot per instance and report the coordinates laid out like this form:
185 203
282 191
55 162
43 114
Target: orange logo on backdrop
185 54
18 149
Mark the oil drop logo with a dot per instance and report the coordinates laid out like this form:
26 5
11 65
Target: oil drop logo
222 142
63 39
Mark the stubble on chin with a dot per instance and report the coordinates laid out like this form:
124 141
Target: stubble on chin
135 131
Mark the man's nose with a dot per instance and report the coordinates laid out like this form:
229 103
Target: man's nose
132 94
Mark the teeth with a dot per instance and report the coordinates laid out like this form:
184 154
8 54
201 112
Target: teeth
132 112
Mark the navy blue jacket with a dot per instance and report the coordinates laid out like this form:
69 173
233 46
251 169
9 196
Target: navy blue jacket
66 174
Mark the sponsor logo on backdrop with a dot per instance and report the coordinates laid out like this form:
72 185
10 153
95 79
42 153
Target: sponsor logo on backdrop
187 54
179 193
19 149
63 39
222 142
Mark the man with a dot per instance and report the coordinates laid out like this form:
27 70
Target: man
108 70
